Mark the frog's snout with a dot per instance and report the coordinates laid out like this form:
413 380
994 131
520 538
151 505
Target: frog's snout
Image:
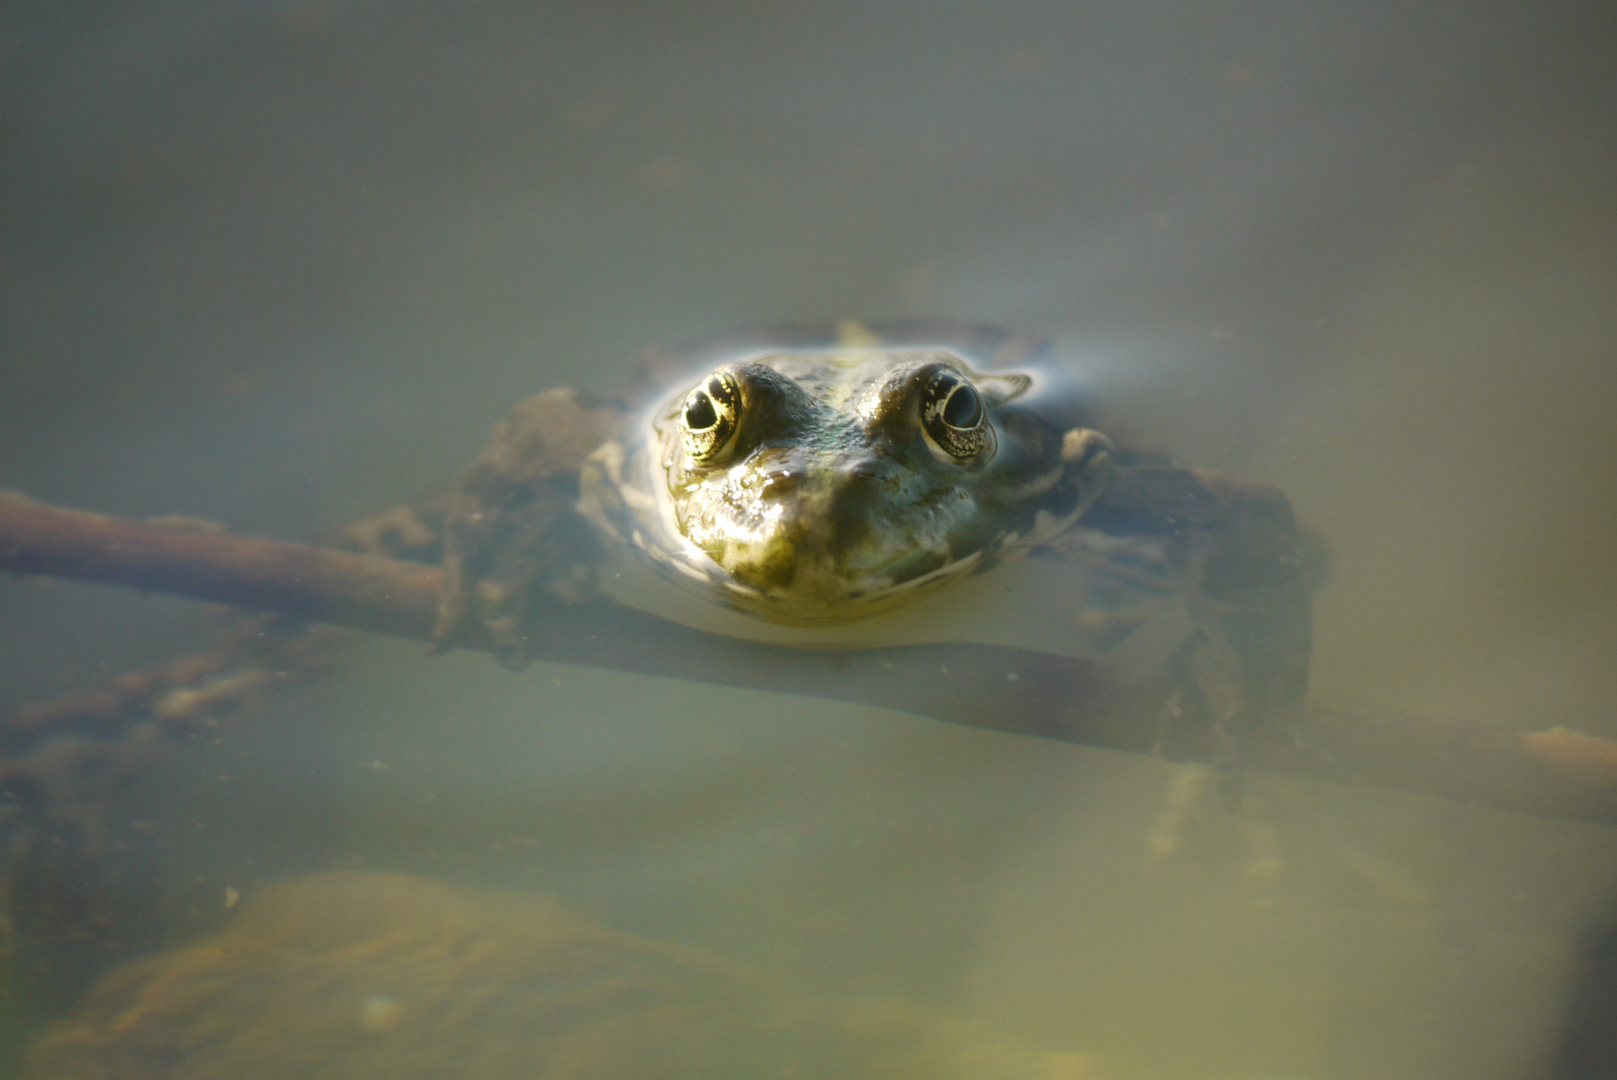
815 515
832 506
858 493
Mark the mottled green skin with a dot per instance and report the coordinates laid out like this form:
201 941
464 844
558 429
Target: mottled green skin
833 505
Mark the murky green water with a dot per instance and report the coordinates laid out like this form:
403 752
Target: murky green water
280 265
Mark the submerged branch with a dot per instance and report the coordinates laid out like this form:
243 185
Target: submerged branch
1555 773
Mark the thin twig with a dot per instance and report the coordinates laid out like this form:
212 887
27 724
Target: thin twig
1553 773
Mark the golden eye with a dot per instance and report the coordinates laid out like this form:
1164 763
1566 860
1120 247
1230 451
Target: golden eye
710 418
954 417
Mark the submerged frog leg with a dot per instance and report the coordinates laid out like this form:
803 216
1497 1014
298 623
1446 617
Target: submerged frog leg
1239 564
512 525
1229 556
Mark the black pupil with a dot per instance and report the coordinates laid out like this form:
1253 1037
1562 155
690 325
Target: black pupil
699 414
964 408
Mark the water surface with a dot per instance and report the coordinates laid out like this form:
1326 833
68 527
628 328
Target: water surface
282 264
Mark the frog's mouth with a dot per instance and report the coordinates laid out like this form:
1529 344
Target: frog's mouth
820 591
833 545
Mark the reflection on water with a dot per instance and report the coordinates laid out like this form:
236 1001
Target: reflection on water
282 264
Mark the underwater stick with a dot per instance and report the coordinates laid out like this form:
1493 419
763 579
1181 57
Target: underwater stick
1554 773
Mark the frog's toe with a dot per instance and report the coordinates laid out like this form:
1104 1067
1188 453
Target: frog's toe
1190 797
453 611
509 649
501 610
505 634
1086 448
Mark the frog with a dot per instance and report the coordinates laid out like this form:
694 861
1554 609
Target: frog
843 484
813 485
829 485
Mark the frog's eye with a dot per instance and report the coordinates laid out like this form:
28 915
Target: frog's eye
711 417
954 418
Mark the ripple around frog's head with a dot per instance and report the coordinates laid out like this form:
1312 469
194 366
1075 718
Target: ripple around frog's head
815 488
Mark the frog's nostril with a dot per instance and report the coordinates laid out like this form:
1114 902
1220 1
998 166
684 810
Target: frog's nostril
778 484
855 494
861 479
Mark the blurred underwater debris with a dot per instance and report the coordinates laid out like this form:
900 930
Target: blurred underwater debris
351 974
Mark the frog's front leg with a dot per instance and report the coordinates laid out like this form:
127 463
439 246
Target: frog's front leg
512 524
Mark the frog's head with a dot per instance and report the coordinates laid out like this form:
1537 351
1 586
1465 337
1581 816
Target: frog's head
818 488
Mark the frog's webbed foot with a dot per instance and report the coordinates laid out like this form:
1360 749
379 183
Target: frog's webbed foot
512 526
1195 820
1235 562
1225 562
474 594
494 555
